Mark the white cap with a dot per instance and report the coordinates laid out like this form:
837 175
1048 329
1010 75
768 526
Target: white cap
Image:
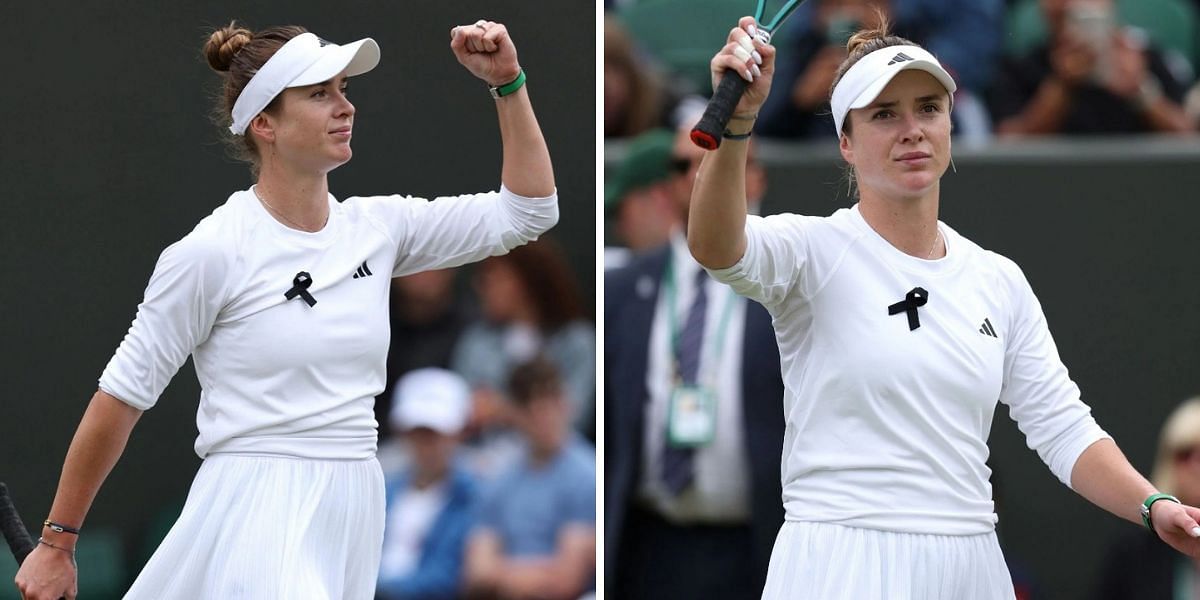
863 82
304 60
434 398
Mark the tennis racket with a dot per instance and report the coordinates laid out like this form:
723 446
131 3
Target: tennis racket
13 529
708 132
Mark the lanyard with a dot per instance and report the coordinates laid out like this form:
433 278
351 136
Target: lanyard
673 318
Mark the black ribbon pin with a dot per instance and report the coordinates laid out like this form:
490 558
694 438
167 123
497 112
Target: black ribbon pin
300 288
912 300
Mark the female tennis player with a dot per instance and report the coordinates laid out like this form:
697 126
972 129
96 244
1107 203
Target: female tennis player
897 337
281 297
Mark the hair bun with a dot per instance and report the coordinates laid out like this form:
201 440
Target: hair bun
224 43
865 35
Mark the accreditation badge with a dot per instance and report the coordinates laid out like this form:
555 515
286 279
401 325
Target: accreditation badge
692 418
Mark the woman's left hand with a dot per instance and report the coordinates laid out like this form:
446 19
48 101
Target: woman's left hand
1176 525
485 49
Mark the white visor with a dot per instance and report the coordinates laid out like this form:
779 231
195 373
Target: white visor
304 60
863 82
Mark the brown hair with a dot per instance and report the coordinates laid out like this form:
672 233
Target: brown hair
862 43
542 268
237 53
536 378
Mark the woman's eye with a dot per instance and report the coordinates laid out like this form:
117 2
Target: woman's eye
883 114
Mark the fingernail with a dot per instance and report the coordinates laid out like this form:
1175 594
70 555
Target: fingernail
752 30
1196 532
749 76
757 57
757 71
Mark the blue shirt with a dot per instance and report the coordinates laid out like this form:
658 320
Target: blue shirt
439 572
530 504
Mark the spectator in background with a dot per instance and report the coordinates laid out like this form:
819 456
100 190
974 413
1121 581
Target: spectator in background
1191 106
1093 76
536 538
693 522
1139 566
686 152
637 97
426 319
638 196
430 507
965 36
531 306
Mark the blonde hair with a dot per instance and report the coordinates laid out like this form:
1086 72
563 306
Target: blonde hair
1179 431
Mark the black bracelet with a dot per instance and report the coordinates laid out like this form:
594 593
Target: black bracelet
58 528
729 135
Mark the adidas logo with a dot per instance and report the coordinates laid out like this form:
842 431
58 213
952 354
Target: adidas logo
363 271
899 58
987 329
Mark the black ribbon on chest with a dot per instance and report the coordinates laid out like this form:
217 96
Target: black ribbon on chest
300 285
911 302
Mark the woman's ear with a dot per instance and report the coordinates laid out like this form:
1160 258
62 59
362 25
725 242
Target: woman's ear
847 148
263 126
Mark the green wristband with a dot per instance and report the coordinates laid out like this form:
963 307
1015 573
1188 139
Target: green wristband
503 90
1150 502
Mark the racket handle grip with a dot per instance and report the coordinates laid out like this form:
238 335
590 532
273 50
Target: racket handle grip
13 529
708 132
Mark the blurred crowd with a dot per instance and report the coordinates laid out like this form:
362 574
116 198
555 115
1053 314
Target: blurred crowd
487 433
1023 67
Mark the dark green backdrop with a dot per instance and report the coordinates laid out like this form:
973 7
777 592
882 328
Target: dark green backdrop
108 156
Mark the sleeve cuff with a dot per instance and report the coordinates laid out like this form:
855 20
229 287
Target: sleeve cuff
508 194
1064 466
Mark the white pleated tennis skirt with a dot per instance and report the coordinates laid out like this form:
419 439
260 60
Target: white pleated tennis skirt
823 561
267 527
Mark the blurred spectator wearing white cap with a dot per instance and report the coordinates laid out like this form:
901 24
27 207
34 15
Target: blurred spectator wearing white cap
430 505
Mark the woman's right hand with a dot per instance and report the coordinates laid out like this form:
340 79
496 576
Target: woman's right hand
48 574
753 60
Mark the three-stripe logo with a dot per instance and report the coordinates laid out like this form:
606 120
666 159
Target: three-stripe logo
363 271
987 329
900 57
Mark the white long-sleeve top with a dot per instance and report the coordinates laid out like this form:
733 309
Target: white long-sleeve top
276 375
887 427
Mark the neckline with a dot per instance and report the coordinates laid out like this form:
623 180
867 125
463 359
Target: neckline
908 262
320 237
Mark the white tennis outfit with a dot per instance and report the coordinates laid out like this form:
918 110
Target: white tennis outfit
885 485
289 502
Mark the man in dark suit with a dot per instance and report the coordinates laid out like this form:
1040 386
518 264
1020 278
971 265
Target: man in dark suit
694 427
